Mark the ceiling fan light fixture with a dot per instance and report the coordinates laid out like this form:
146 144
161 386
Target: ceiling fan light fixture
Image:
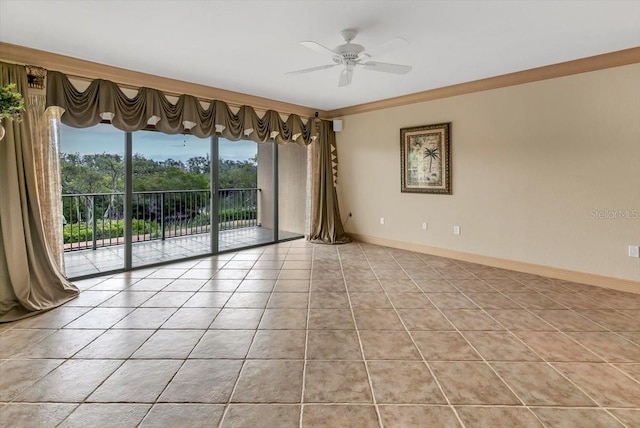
351 54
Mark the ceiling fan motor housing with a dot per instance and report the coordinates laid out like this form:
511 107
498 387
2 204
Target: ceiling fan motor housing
349 50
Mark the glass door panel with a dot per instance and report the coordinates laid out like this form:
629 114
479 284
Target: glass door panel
92 177
245 194
171 197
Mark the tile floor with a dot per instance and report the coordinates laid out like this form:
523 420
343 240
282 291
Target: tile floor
297 334
91 262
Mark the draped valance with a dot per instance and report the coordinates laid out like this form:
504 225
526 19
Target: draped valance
104 100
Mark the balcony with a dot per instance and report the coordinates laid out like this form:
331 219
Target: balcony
166 225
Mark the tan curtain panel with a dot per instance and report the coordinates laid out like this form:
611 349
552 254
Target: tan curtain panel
45 135
326 225
29 280
104 100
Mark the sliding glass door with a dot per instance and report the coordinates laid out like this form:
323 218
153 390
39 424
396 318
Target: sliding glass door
171 197
146 198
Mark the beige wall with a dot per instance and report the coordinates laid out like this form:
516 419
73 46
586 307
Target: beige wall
292 184
530 163
265 184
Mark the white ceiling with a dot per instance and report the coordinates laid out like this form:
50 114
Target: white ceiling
248 46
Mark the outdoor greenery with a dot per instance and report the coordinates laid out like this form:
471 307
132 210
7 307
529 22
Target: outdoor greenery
102 175
11 102
81 232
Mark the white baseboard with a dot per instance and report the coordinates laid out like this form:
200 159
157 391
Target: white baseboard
548 271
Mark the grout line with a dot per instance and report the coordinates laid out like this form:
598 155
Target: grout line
435 379
244 360
540 355
477 275
355 326
306 339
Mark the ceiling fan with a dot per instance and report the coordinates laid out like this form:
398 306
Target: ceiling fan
351 55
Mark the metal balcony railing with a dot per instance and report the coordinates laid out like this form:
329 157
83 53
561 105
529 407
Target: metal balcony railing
96 220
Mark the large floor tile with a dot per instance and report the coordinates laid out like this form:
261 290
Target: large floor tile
183 414
13 341
388 345
284 319
26 415
424 319
336 382
100 318
498 417
115 344
605 384
281 344
269 381
330 319
61 344
330 416
569 418
146 318
70 382
268 415
444 346
403 382
554 346
223 344
106 415
333 345
500 346
539 384
472 383
18 375
237 319
202 381
377 319
191 318
471 319
418 416
609 346
169 344
136 381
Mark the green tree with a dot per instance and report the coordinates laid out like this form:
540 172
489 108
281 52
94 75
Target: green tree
431 153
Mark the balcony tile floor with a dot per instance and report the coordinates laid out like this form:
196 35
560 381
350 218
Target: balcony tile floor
90 262
296 334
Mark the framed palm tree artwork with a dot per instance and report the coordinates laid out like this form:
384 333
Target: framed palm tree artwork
426 159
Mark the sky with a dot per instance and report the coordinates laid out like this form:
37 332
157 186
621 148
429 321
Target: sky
104 138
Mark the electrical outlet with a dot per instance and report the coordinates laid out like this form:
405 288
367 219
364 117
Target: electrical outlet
456 230
634 251
424 226
381 220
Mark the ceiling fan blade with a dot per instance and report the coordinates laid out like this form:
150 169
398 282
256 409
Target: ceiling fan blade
345 76
394 43
386 67
315 46
309 70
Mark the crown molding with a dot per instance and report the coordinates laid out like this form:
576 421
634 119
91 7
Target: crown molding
127 78
593 63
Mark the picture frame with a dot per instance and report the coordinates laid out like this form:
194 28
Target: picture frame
425 153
